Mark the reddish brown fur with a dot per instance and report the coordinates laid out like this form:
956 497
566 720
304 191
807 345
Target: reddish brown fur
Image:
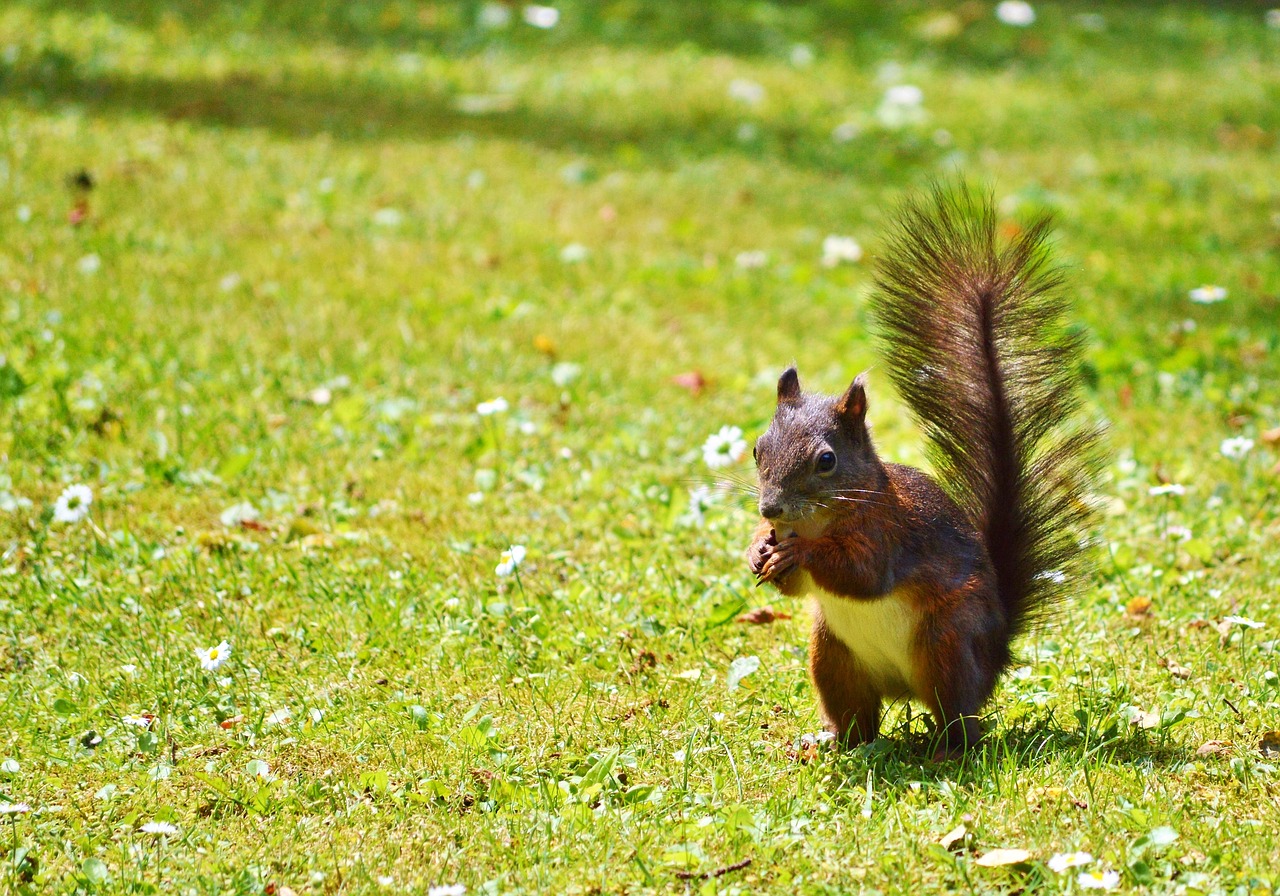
982 359
918 540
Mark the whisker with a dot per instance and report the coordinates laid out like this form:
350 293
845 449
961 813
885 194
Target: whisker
850 500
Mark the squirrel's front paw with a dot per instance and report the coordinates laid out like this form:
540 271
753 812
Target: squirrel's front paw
782 557
758 553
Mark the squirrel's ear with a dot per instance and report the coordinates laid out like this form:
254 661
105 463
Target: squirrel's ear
852 406
789 386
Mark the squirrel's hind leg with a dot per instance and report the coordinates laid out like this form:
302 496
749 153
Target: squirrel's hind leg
850 703
960 657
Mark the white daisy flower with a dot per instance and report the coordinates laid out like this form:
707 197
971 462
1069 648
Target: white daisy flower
564 373
845 131
1207 294
541 16
1241 620
700 499
14 808
574 253
724 447
1015 13
1170 488
840 250
801 55
1236 447
903 105
510 560
1098 880
1064 860
73 504
139 721
161 828
493 15
746 91
212 658
447 890
236 514
388 217
489 408
904 95
815 739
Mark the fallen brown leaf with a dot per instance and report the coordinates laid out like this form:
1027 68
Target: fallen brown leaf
998 857
1175 669
231 722
954 838
1269 746
692 380
1138 607
1272 436
762 616
1213 748
1146 720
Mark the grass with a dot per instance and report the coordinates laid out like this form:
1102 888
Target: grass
306 259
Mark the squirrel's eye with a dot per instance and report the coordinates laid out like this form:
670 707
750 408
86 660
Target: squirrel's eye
755 453
826 461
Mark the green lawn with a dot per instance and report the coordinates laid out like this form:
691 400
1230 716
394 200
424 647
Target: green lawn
319 235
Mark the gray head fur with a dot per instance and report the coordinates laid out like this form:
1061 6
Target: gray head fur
816 451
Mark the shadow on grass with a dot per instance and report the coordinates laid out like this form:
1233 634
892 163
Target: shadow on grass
904 755
365 109
742 28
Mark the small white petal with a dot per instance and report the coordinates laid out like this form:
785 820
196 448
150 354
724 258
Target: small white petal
1098 880
1065 860
1016 13
840 250
1207 294
541 16
1236 447
574 253
746 91
494 15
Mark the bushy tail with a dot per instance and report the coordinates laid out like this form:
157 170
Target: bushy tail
974 335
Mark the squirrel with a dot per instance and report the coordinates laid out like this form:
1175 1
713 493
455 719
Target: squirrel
921 585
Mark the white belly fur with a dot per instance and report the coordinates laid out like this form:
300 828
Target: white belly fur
878 632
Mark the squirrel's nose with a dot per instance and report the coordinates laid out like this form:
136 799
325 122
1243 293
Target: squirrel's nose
770 508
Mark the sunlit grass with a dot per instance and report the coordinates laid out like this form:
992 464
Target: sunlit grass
316 243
